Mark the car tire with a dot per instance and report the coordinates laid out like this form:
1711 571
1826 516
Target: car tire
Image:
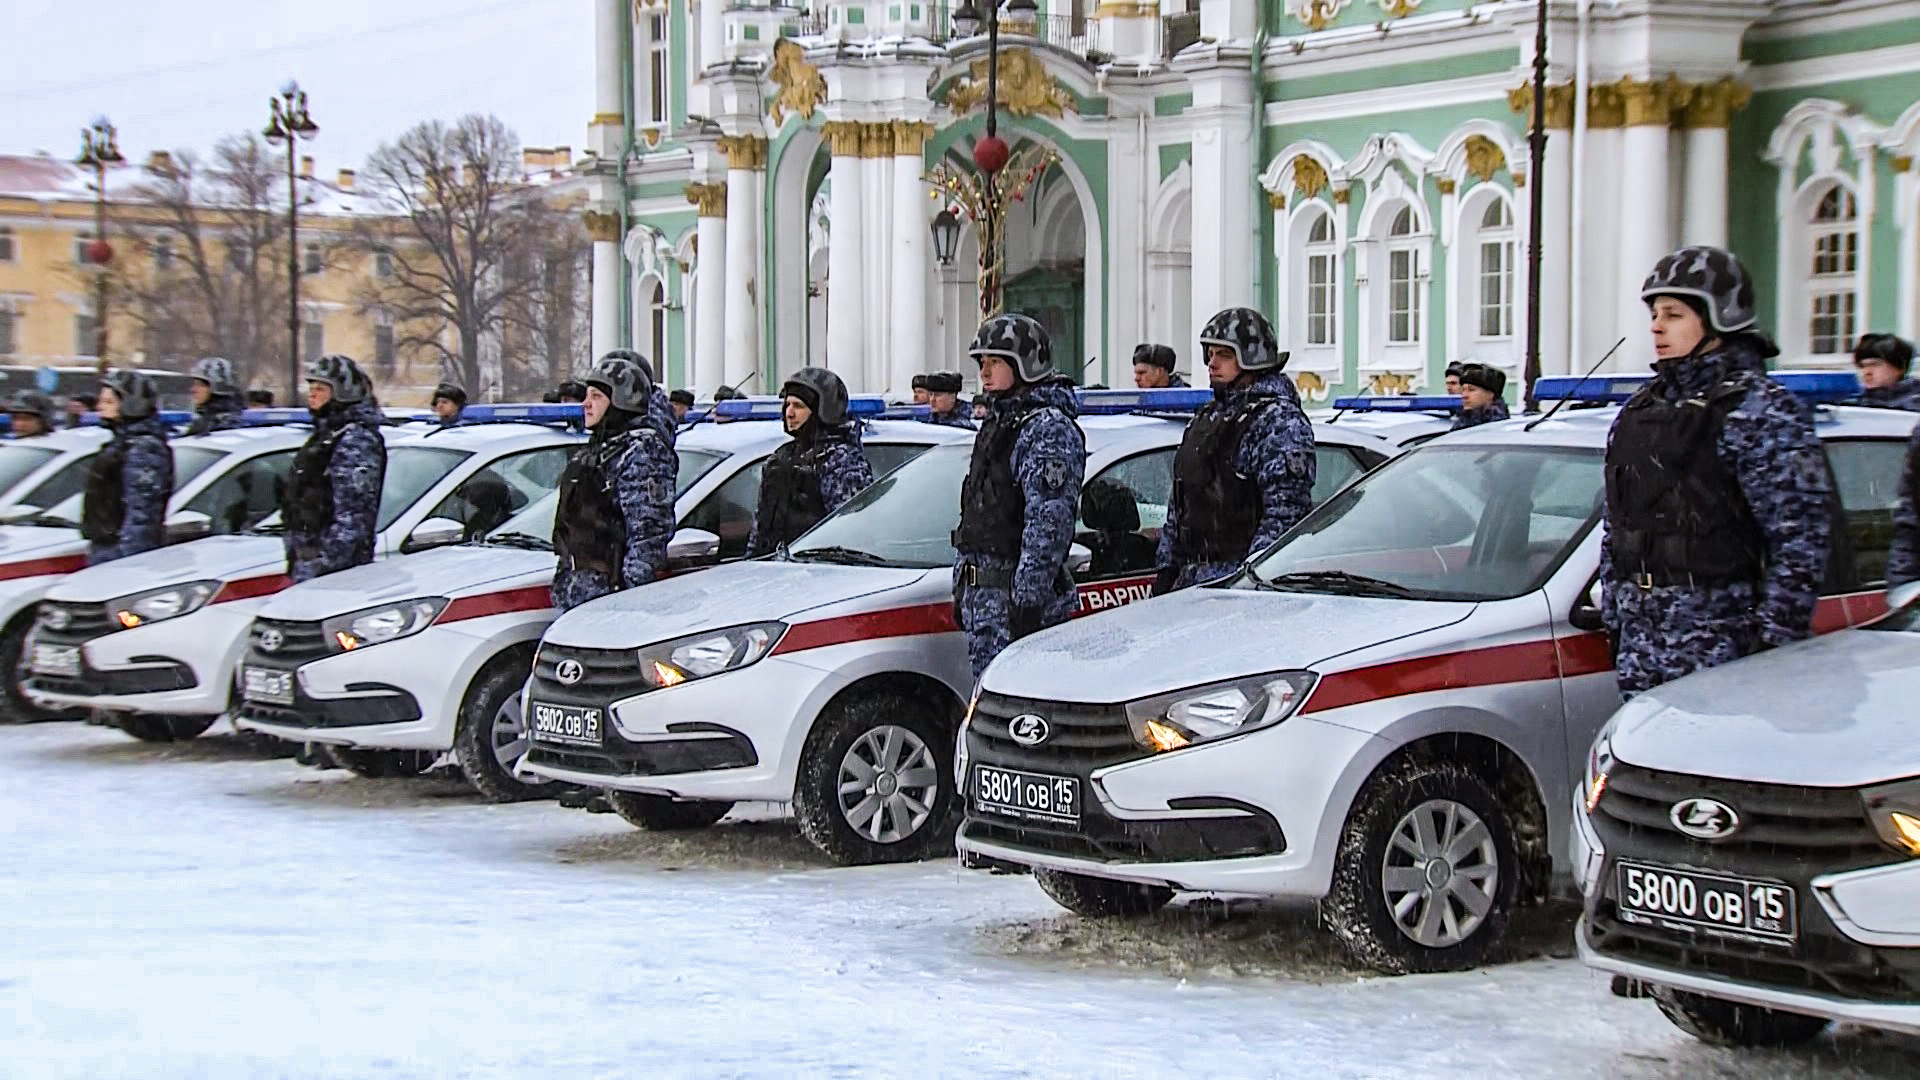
1730 1023
858 741
1413 816
1101 898
658 813
381 764
156 728
13 662
491 735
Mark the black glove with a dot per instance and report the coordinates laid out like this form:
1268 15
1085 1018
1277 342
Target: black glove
959 595
1022 621
1163 581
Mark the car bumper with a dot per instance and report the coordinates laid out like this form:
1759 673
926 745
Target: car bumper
195 654
1896 1017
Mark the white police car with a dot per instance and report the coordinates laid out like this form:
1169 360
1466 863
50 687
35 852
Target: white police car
412 657
835 677
1404 420
1748 839
1386 712
40 472
152 639
223 482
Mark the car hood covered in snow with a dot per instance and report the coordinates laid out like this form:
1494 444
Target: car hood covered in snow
449 571
19 542
730 595
217 558
1836 711
1199 636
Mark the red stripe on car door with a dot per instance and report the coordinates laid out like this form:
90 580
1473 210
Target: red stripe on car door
895 622
55 564
529 598
1520 662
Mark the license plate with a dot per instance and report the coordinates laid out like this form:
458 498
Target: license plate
57 660
267 686
567 725
1054 800
1688 900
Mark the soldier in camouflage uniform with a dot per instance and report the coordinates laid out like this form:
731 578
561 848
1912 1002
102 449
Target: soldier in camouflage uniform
943 401
1245 468
1717 514
216 400
449 401
1153 368
332 501
616 496
920 391
1903 560
1021 496
124 511
1884 361
811 474
30 413
1480 388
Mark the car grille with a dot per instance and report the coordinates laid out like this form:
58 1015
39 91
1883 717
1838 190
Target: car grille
84 621
607 675
1822 963
300 642
622 758
1084 737
1828 826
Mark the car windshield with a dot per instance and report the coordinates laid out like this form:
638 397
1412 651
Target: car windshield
64 496
1443 523
905 518
17 461
191 461
412 471
694 464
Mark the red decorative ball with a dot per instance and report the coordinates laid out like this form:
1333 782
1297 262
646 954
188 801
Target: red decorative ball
100 253
990 153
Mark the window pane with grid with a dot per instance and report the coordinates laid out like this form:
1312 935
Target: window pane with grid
1320 299
6 247
1496 289
1402 297
1833 322
6 331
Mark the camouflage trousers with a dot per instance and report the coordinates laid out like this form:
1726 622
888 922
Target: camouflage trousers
571 588
987 616
1663 634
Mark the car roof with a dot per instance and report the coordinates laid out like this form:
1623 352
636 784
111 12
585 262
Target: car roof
485 438
246 439
748 436
1395 426
68 440
1587 428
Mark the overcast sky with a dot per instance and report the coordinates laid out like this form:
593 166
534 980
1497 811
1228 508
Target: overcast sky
178 74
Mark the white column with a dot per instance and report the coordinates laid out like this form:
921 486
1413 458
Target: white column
909 352
607 38
876 167
1223 207
606 297
1645 203
1703 213
713 32
743 268
846 282
710 307
1556 245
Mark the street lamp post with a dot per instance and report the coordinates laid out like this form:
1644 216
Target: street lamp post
991 152
290 123
99 148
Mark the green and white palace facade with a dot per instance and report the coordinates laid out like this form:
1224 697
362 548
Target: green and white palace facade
1357 169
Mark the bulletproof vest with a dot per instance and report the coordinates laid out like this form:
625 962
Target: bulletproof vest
790 498
1674 510
308 505
589 528
1219 508
993 510
105 502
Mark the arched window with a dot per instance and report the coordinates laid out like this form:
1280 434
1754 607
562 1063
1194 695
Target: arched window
1497 249
657 306
1323 281
1403 279
1833 288
652 31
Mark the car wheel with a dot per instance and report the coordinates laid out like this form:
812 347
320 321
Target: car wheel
153 727
1729 1023
1426 874
1101 898
492 735
382 764
658 813
13 662
875 782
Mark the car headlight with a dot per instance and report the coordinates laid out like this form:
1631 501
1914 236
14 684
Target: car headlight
388 622
159 605
1600 762
1895 810
1206 713
697 656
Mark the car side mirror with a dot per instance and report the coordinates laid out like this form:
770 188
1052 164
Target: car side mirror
433 533
188 525
1079 559
691 547
1899 596
1586 610
17 512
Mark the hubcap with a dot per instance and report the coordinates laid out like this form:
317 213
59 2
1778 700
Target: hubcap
1440 873
510 739
888 781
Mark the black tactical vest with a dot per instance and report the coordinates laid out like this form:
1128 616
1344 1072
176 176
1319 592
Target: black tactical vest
308 506
589 528
791 501
105 503
1219 508
1675 512
993 510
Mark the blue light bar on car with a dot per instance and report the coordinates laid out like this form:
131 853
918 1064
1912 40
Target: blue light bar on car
773 408
271 417
905 411
531 412
1398 403
1165 400
1814 387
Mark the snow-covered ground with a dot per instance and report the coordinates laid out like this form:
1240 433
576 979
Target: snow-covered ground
196 911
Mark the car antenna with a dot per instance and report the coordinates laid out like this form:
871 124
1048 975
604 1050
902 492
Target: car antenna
1568 396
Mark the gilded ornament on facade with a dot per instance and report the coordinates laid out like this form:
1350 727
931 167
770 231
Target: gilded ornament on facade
1712 105
1399 9
709 199
1026 89
744 151
612 119
603 226
1119 9
1902 163
1276 200
1446 185
910 137
1559 103
1309 179
1387 383
651 136
1318 13
1341 195
1484 157
1311 385
1650 102
802 87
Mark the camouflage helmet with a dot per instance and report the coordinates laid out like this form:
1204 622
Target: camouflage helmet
138 393
350 385
822 391
34 403
1710 275
1020 341
216 372
625 377
1249 335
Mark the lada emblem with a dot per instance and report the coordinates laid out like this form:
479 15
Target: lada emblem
1704 819
569 672
56 618
1028 729
271 640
